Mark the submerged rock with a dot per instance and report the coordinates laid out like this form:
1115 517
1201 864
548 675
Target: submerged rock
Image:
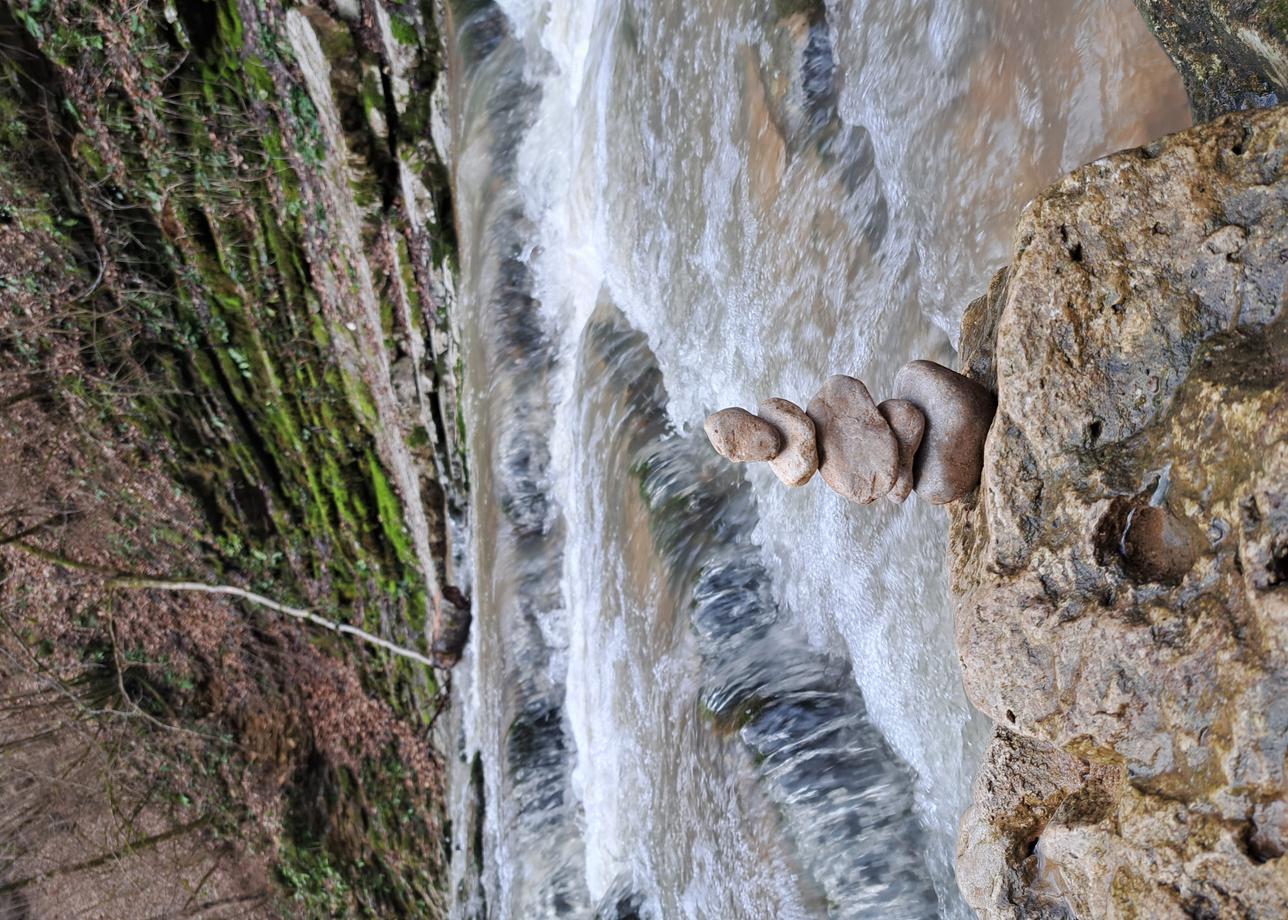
796 464
858 453
1121 576
958 412
1231 54
739 436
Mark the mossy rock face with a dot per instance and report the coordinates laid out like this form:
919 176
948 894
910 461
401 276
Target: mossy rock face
259 281
1232 54
237 234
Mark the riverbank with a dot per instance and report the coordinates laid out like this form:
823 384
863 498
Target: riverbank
227 361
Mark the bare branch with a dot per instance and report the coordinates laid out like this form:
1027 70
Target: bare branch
136 582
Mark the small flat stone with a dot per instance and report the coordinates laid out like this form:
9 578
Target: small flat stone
739 436
798 461
858 453
908 425
958 414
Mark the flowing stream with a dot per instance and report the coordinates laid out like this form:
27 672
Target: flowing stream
691 692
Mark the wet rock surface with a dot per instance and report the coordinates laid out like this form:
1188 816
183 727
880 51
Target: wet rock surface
958 412
931 441
739 436
797 463
1022 787
458 617
1121 576
1231 54
908 425
858 453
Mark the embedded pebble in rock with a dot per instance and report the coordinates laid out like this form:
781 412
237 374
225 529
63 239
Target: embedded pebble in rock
739 436
908 425
1269 838
858 453
798 461
958 414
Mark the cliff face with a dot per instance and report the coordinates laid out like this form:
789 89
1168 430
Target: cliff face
1232 54
1121 579
226 262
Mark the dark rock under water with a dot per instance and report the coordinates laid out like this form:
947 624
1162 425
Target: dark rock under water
845 798
1232 54
533 806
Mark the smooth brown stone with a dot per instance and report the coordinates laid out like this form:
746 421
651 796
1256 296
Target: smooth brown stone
858 453
908 425
796 464
958 415
739 436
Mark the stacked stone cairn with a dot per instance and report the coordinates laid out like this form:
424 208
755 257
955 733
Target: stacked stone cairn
929 438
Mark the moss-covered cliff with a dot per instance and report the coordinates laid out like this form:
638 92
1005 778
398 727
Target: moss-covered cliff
228 250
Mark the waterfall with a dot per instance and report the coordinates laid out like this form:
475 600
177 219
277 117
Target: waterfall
692 692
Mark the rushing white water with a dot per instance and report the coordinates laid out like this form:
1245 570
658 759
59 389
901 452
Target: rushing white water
770 193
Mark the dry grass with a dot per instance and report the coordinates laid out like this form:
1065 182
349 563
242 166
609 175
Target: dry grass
125 714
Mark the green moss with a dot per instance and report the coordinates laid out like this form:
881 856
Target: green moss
403 31
267 430
230 28
1275 14
335 40
310 142
372 93
389 508
314 885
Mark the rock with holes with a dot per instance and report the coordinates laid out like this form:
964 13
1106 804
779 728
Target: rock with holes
957 413
797 462
1120 577
858 453
739 436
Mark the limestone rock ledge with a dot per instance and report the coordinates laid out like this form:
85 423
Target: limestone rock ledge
1121 576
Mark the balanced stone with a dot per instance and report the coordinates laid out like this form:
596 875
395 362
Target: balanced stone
858 453
798 461
958 414
739 436
908 425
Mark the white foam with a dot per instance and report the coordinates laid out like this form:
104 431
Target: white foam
635 172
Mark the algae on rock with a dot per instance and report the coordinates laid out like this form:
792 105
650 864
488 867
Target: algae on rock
262 227
1232 54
